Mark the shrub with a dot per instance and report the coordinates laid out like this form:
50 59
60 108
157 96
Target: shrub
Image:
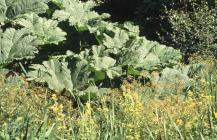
194 30
187 25
148 15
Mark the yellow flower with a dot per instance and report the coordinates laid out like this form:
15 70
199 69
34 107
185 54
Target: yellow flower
88 108
54 108
190 93
205 97
99 109
136 136
54 97
179 122
215 114
105 109
60 116
200 103
128 90
203 81
123 88
62 127
61 106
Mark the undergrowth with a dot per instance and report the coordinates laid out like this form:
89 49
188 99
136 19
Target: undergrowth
129 112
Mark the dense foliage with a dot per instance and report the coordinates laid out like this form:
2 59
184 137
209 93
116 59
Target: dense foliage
194 31
188 25
118 51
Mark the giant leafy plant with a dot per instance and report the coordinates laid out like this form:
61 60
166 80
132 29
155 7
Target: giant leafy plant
78 14
11 9
45 29
27 30
118 51
16 45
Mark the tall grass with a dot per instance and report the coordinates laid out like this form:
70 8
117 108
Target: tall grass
128 113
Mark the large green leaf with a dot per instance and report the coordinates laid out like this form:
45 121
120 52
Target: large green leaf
16 45
128 48
144 54
92 93
106 64
9 9
3 9
79 14
190 70
131 28
117 41
103 63
174 80
167 55
172 76
53 72
46 30
79 67
139 57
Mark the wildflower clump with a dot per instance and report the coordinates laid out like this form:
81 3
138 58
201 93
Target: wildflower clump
177 113
86 123
104 110
57 114
57 108
131 109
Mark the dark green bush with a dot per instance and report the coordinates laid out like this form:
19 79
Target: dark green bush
189 25
194 31
149 16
